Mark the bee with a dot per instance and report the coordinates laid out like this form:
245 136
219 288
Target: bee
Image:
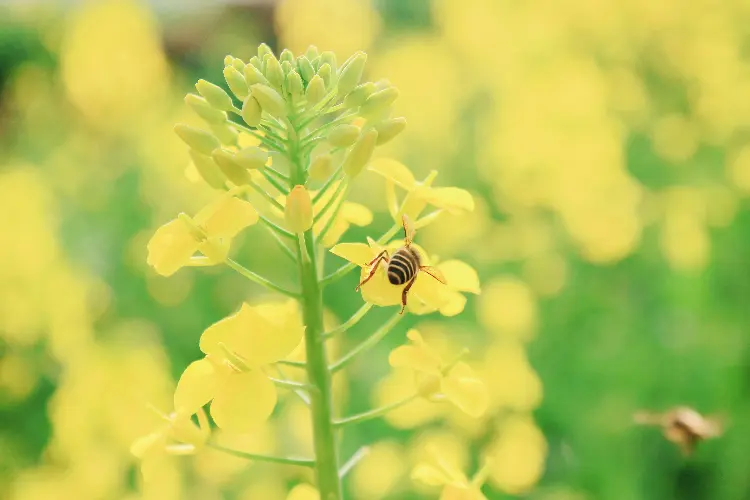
683 426
404 266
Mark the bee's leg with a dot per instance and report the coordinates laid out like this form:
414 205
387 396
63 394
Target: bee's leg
382 256
406 291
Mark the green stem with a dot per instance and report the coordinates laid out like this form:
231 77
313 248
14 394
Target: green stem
350 322
368 343
335 198
334 176
375 413
332 218
264 140
256 278
276 228
354 460
302 462
272 181
293 364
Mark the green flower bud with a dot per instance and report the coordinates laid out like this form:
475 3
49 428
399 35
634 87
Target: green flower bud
215 95
203 109
298 211
228 60
238 64
208 169
226 134
383 83
389 129
315 63
264 49
379 101
294 84
286 67
311 52
351 72
269 100
325 73
316 90
343 136
230 168
360 154
253 75
306 70
256 62
273 71
321 167
287 55
251 158
251 111
200 140
236 81
359 95
329 58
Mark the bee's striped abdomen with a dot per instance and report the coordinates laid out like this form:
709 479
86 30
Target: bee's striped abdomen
403 266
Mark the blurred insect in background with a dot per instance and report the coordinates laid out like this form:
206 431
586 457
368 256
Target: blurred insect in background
404 266
683 426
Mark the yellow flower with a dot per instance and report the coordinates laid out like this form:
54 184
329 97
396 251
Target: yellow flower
350 213
426 295
173 245
178 436
303 492
231 375
437 380
436 471
418 194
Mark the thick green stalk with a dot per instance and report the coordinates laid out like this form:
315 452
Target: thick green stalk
318 374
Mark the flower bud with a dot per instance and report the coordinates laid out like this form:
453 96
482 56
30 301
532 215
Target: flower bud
311 52
360 153
325 73
343 136
208 169
294 84
270 100
315 63
228 60
389 129
256 62
264 49
329 58
298 212
253 75
203 109
316 90
251 158
225 133
236 81
238 64
306 70
230 168
379 101
273 71
251 111
286 67
287 55
321 167
215 95
351 72
200 140
359 95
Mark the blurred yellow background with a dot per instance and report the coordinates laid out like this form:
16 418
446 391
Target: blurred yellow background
606 144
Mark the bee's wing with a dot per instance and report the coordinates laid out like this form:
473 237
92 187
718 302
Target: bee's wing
435 273
408 229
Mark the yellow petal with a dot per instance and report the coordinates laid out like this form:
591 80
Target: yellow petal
356 214
303 492
462 388
461 492
197 385
379 290
227 331
394 171
335 231
171 247
454 304
430 474
460 276
430 291
227 217
356 253
148 444
453 199
417 355
275 330
413 205
243 402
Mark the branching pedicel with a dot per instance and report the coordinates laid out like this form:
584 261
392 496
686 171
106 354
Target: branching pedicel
283 151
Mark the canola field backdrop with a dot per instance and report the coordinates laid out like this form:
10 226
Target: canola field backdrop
588 164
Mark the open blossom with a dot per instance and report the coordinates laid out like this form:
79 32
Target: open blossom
418 194
436 471
210 232
427 294
231 375
455 383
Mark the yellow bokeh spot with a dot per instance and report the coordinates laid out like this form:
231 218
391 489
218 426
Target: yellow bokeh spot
518 455
512 381
674 138
546 273
738 169
380 471
508 308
